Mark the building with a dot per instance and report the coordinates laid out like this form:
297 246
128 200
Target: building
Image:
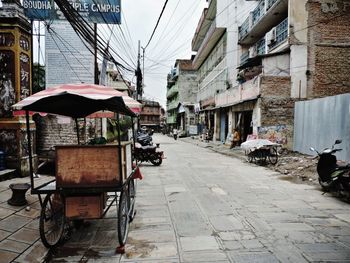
269 54
150 115
115 80
181 96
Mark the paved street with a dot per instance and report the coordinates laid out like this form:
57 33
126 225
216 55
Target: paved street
202 206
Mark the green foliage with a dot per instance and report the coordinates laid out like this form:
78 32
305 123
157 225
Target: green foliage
113 128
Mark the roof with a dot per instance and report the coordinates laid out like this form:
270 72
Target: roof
184 64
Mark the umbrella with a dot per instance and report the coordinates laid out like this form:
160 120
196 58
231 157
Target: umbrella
79 100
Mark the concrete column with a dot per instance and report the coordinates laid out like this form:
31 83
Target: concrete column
15 84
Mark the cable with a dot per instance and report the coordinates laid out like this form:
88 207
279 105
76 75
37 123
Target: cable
154 30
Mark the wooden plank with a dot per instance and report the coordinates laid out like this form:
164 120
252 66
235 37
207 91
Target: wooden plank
87 166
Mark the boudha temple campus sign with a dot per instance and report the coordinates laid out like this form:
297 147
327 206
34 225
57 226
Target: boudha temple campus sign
95 11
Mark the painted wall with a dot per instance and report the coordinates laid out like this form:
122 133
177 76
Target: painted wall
319 122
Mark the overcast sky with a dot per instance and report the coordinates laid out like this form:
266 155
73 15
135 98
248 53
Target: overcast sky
171 41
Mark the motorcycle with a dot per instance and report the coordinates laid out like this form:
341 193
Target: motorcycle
144 139
331 175
148 154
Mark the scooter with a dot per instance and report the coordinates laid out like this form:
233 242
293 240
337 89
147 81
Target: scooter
148 154
332 176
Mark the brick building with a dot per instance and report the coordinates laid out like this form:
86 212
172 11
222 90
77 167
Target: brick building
254 66
150 115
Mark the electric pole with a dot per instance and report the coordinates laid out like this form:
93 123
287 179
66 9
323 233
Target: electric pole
138 74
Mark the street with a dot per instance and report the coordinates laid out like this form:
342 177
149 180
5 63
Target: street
201 206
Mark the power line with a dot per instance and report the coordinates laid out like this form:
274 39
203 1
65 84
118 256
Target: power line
154 30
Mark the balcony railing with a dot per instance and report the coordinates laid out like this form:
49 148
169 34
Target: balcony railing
172 91
244 28
171 119
281 33
244 57
260 46
270 3
172 105
258 12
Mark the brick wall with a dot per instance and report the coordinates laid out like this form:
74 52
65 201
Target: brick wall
50 132
329 47
275 86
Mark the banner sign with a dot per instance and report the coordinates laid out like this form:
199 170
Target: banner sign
94 11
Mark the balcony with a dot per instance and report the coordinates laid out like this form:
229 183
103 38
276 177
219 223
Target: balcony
281 34
172 105
265 16
171 119
172 91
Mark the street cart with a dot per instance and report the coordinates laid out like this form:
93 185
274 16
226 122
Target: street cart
260 151
89 179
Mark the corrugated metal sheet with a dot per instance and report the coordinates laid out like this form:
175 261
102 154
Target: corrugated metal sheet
319 122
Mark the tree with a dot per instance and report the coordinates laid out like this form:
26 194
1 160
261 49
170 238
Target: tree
38 78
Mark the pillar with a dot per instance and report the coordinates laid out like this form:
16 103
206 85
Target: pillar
15 84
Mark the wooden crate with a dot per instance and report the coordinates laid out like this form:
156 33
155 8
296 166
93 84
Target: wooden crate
84 207
91 166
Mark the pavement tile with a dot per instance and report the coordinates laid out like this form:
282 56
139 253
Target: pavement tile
147 250
105 239
34 224
199 243
4 234
291 227
13 223
26 235
252 244
226 223
344 217
252 257
7 256
32 213
237 235
34 254
5 212
152 236
215 256
14 246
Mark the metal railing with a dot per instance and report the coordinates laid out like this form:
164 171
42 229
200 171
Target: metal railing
244 28
258 12
260 46
244 57
281 33
270 3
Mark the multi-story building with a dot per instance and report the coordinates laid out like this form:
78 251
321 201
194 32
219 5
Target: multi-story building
181 96
150 115
274 52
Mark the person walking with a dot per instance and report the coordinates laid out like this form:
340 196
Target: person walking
175 134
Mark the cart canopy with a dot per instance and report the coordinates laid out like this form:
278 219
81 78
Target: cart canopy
79 101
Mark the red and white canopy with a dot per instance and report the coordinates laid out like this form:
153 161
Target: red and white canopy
79 100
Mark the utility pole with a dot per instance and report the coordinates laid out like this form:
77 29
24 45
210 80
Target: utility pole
139 78
95 55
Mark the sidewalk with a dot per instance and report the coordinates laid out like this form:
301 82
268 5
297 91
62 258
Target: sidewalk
19 225
217 147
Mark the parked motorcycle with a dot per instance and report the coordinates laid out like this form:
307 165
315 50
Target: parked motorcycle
148 154
332 176
144 139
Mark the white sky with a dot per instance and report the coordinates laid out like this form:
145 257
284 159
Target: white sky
171 41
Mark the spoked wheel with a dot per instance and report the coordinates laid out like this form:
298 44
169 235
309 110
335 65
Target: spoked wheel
123 217
273 155
52 220
132 196
156 159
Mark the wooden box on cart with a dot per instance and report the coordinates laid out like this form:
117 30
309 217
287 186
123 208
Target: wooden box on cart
92 166
85 207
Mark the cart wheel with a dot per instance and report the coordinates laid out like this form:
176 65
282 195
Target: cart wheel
123 217
273 155
52 220
261 157
132 196
250 157
156 159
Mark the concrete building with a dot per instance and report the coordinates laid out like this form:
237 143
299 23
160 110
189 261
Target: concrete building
256 58
181 97
150 115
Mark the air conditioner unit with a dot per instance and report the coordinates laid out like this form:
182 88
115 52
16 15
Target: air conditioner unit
253 52
271 36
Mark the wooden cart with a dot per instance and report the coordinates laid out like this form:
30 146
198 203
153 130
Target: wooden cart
89 179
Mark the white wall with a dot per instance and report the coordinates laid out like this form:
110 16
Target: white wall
276 65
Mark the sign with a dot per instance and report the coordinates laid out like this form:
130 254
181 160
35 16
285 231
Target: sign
94 11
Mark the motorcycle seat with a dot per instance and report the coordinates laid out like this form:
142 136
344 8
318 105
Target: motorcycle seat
149 147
